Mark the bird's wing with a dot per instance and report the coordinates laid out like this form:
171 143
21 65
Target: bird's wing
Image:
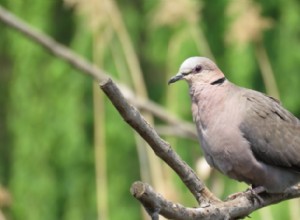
272 131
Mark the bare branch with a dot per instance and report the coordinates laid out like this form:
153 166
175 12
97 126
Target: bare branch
236 208
86 67
161 148
51 45
170 130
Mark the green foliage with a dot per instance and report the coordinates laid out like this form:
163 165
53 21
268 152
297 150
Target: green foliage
52 173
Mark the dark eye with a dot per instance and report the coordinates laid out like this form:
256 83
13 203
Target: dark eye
198 68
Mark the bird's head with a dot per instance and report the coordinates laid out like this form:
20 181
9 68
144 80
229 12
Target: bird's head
198 69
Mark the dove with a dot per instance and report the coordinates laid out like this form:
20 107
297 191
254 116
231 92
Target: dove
243 133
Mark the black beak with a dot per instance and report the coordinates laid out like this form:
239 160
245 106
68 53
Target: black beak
175 78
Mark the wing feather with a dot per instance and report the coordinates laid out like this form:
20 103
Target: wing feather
272 131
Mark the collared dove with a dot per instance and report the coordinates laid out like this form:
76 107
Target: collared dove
245 134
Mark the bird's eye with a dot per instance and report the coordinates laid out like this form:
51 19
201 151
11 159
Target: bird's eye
198 68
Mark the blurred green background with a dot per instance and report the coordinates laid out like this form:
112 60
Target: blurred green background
65 153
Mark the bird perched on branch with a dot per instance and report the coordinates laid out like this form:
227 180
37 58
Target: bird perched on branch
245 134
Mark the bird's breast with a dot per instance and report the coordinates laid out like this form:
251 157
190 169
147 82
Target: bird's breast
217 124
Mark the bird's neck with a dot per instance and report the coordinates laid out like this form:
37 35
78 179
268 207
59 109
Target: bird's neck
208 90
207 100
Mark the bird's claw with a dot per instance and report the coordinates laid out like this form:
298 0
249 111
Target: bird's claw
254 193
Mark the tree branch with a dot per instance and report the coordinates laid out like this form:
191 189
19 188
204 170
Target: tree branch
86 67
161 148
237 208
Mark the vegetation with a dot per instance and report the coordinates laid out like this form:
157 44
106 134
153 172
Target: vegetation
65 153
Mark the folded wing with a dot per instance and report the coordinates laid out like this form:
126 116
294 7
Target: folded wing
272 131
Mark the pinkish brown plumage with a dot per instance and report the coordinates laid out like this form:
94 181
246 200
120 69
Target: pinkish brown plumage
244 134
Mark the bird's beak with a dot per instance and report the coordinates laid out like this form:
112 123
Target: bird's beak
175 78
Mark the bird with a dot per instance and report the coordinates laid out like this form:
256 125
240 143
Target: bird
245 134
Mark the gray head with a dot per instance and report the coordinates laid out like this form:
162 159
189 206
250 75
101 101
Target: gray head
198 69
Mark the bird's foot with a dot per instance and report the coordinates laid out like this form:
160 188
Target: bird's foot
254 193
257 190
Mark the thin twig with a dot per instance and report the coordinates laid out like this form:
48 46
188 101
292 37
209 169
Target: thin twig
86 67
173 131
